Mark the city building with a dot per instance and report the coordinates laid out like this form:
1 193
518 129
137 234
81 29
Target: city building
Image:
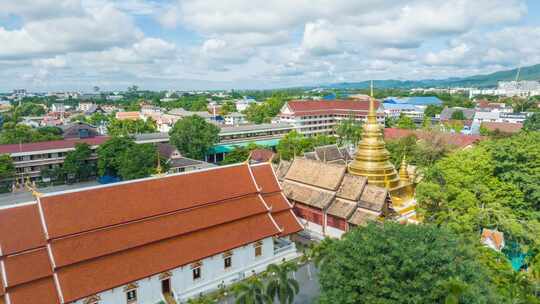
412 107
85 106
31 158
58 107
235 118
321 117
178 163
133 115
446 114
165 238
243 104
493 239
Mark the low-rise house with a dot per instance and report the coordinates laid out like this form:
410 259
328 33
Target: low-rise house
128 115
493 239
178 163
328 200
457 140
502 127
79 130
447 112
144 241
235 118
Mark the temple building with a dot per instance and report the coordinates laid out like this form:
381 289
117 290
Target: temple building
372 161
160 239
328 200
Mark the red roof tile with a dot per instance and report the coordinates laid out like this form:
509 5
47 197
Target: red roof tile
265 178
27 267
42 291
20 229
64 213
504 127
114 239
288 222
454 139
346 105
104 237
51 145
262 155
90 277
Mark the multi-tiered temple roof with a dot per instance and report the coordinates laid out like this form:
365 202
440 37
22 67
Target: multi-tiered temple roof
71 245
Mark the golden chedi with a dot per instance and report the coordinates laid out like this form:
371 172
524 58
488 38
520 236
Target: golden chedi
372 160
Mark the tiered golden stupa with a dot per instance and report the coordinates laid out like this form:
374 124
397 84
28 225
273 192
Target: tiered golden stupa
372 160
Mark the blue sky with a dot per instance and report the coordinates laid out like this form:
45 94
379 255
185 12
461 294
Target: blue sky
48 45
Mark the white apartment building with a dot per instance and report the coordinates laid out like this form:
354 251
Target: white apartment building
320 117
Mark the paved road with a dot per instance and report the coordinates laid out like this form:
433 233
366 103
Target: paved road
25 196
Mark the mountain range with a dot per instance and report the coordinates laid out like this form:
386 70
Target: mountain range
479 81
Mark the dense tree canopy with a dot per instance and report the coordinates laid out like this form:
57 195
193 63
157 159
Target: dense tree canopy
295 144
532 123
239 154
349 131
76 165
14 134
138 161
458 115
7 169
126 127
493 185
405 122
265 111
395 263
193 136
421 153
109 152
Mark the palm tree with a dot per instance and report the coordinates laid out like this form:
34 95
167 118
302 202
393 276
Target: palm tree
251 291
280 285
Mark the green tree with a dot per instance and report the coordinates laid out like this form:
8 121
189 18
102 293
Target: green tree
239 154
293 144
251 291
280 284
432 110
193 136
137 161
14 134
395 263
458 115
349 131
405 122
7 169
127 127
532 123
109 152
228 107
76 165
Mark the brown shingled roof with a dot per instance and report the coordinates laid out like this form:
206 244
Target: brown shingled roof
316 173
352 187
363 217
373 198
20 229
309 195
342 208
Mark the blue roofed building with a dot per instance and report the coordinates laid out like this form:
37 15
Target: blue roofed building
413 107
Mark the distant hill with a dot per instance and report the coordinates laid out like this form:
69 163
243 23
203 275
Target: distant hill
480 81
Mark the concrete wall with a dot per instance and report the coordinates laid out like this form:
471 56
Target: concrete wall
213 274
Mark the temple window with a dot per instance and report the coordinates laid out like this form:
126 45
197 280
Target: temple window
196 270
227 260
131 296
258 249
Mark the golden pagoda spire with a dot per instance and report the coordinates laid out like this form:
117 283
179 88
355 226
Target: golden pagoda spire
403 172
371 159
